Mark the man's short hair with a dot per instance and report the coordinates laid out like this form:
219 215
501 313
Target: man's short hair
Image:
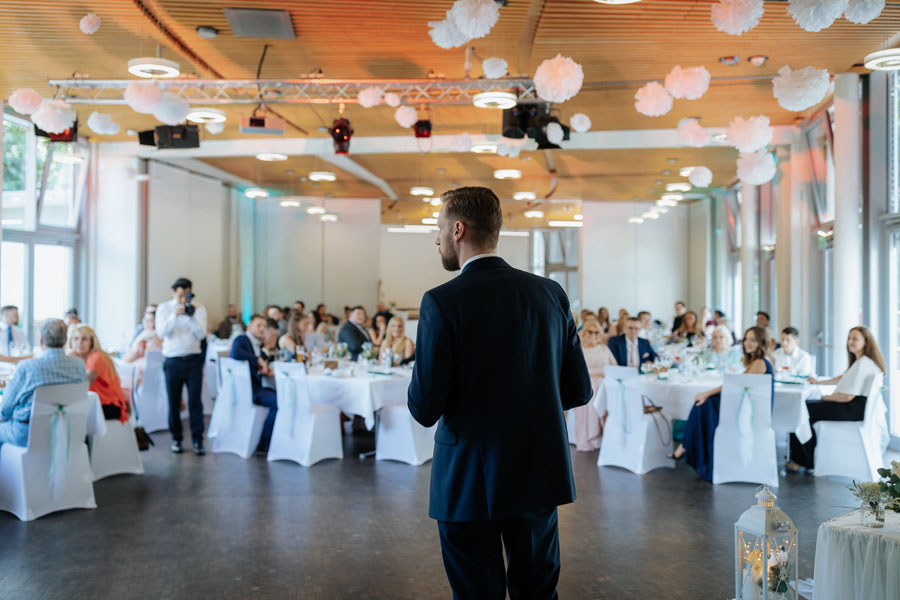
479 208
719 313
72 312
271 323
8 308
630 319
792 331
763 313
183 283
256 316
681 303
54 333
642 313
150 308
300 302
357 307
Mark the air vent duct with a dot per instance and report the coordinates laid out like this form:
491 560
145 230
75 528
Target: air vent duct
256 23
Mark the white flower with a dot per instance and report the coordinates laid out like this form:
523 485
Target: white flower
653 100
580 122
558 79
89 23
816 15
736 16
474 18
494 68
895 468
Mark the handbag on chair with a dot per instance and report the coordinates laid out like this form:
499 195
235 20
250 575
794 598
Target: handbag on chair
656 411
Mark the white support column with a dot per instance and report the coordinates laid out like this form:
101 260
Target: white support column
749 255
847 235
783 254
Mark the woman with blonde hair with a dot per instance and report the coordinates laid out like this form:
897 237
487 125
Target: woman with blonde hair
396 341
296 333
589 424
101 372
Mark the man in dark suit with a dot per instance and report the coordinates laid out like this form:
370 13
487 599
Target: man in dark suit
498 390
354 332
247 347
629 349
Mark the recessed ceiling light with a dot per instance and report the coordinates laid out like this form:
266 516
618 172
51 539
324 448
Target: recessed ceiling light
322 176
720 137
658 182
426 199
494 100
435 201
435 214
617 1
636 220
421 190
206 115
484 148
650 215
505 233
288 171
678 187
329 217
524 196
686 171
578 217
289 203
271 156
883 60
672 197
758 61
534 214
429 221
440 170
316 210
730 60
565 224
666 202
256 193
68 158
158 68
660 210
667 172
672 160
507 174
207 32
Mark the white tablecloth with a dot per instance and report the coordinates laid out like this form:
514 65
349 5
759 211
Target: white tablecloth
361 396
857 562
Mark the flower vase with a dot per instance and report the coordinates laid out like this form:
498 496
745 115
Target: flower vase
871 517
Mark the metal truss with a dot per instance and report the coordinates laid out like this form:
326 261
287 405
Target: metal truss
296 91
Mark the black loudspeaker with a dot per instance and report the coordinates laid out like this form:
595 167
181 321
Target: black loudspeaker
171 136
67 135
531 120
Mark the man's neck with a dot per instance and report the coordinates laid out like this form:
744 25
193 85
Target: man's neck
465 253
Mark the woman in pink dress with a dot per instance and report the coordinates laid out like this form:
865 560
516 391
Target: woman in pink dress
587 422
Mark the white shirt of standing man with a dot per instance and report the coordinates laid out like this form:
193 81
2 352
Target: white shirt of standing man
181 333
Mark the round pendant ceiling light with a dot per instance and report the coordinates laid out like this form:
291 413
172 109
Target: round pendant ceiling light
154 68
316 210
507 174
206 115
884 60
534 214
256 193
322 176
524 196
484 148
271 156
494 100
421 190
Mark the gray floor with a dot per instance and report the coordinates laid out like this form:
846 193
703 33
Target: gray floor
224 527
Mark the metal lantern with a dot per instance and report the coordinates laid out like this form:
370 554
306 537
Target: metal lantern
765 557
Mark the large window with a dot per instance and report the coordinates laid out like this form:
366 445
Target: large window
554 254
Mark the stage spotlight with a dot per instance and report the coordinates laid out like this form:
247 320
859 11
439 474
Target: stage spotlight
341 133
422 129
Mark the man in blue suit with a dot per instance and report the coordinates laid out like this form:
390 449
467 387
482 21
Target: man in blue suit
247 347
629 349
497 389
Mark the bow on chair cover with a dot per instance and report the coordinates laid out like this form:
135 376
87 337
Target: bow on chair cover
225 416
621 386
60 438
292 396
744 423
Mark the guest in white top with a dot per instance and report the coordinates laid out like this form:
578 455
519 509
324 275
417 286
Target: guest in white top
848 402
791 358
13 342
588 423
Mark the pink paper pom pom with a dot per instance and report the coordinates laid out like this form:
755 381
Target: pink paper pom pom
25 101
653 100
558 79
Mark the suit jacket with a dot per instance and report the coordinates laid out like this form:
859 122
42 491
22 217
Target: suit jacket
242 349
619 348
353 337
497 363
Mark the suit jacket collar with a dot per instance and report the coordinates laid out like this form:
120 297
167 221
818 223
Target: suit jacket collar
490 262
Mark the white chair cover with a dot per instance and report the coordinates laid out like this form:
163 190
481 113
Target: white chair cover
236 423
630 438
744 444
400 437
152 399
303 432
52 472
854 449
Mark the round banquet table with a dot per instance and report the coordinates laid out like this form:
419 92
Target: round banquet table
360 395
857 562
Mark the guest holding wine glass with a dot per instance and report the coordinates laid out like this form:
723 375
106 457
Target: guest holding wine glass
588 424
101 372
395 340
603 319
700 430
848 401
688 331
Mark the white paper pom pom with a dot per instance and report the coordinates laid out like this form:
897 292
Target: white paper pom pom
653 100
494 68
690 83
737 16
474 18
558 79
700 177
750 135
461 143
54 116
142 97
171 109
369 97
800 89
215 128
756 168
816 15
863 11
25 101
102 123
692 133
580 122
555 133
406 116
392 100
445 34
89 23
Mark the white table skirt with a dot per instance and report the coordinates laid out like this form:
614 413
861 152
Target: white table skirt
857 562
361 396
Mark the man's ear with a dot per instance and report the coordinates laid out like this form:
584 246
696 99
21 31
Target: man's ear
459 230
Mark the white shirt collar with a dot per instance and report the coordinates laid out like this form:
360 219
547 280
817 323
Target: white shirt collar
477 256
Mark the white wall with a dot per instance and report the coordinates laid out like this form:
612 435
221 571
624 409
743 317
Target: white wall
636 267
699 293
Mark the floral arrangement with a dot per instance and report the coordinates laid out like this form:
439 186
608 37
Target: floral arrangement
868 492
368 351
781 572
889 485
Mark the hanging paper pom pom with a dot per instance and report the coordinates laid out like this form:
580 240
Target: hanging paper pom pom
690 83
369 97
392 100
700 177
580 122
102 124
801 89
54 116
512 147
215 128
89 23
653 100
863 11
25 101
816 15
142 97
558 79
474 18
445 33
756 168
461 143
171 109
406 116
494 68
737 16
555 133
692 133
751 135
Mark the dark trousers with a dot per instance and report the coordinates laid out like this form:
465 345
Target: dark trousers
824 410
181 371
473 556
266 397
111 412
